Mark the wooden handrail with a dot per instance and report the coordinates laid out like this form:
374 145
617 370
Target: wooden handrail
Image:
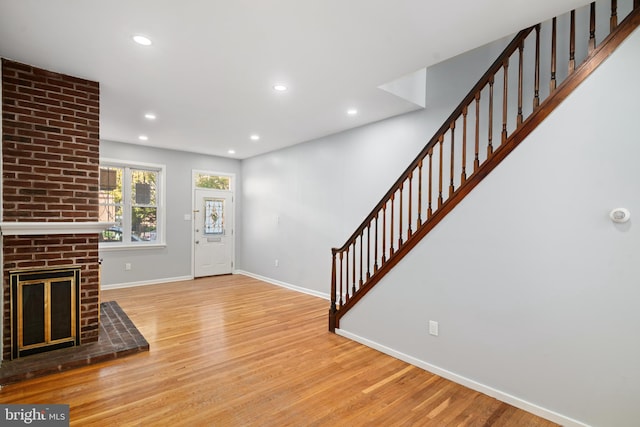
456 113
343 299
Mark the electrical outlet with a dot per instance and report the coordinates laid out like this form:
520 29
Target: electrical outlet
433 328
127 266
276 263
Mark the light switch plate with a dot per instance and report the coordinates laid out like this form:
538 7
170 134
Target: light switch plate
433 328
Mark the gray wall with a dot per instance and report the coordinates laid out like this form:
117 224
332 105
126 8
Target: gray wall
173 261
301 201
534 288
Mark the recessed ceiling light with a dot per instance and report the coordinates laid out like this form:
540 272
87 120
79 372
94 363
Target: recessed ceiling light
150 116
279 88
352 111
143 138
231 151
142 40
254 137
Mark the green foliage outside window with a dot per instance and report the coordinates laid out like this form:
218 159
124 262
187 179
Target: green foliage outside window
212 181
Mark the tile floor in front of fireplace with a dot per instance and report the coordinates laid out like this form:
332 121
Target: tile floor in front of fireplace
118 337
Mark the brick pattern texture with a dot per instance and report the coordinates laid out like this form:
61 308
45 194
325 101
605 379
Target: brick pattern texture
50 172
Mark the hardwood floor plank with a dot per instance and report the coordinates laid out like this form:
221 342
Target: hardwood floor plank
234 351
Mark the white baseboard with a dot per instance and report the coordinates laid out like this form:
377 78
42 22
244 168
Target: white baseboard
145 283
474 385
284 284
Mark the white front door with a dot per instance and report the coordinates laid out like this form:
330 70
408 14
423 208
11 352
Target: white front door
213 232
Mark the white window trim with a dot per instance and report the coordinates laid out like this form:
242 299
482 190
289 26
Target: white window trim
161 237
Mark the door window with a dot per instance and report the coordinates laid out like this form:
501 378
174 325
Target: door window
214 216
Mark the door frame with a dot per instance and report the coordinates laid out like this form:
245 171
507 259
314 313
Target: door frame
232 191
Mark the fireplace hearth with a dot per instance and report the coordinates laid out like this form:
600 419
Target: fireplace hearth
119 338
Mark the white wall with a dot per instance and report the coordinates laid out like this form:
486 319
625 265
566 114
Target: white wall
172 262
535 290
301 201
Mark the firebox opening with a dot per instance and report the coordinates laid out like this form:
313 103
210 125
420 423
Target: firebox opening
45 314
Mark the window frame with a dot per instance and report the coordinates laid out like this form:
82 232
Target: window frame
127 166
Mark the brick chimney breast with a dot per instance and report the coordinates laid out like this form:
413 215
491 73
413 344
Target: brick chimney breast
50 173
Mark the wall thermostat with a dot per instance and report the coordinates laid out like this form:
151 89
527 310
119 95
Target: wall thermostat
620 215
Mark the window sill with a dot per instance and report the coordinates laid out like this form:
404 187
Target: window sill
131 247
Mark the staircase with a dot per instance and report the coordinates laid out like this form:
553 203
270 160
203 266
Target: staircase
541 66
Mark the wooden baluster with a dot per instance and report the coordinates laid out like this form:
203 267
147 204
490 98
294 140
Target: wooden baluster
393 223
572 43
400 215
384 233
592 27
333 281
536 90
419 194
490 146
440 140
476 161
346 277
354 270
614 15
463 176
368 251
429 210
375 257
505 93
520 76
361 257
409 231
554 54
341 287
452 126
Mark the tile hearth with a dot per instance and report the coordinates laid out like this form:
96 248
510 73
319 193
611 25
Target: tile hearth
118 337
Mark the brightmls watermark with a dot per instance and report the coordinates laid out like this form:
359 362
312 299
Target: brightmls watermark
34 415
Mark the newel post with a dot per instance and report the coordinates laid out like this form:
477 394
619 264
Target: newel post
332 309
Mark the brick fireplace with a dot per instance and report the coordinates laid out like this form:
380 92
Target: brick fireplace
50 174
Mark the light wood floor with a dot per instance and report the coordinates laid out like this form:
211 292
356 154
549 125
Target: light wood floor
234 351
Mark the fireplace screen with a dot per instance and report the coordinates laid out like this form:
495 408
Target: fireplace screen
45 313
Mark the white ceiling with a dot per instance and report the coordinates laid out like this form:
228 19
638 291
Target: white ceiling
209 74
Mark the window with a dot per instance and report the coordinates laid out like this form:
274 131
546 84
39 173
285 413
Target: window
215 182
214 216
130 196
